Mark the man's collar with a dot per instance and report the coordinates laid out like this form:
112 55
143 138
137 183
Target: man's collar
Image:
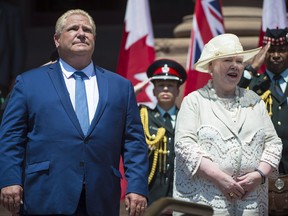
284 74
171 111
68 70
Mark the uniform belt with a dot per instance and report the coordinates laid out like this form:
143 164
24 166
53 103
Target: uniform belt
278 195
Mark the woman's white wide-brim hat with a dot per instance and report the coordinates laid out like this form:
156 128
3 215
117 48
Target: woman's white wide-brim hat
222 46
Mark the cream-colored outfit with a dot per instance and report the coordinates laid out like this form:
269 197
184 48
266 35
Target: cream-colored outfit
234 133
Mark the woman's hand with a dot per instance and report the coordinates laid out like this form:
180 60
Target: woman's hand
226 183
229 187
249 182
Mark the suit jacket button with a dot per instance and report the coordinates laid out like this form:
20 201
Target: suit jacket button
86 141
82 164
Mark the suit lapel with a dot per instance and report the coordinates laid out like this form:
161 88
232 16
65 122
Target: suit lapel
227 119
103 84
283 98
218 112
56 76
159 121
272 89
156 118
285 95
57 79
280 99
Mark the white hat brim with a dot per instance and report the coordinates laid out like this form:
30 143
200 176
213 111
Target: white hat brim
202 65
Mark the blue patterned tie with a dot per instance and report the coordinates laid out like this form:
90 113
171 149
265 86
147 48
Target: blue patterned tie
277 86
81 106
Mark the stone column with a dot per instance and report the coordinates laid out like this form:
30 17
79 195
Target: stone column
244 21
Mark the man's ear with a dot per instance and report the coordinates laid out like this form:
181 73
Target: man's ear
56 38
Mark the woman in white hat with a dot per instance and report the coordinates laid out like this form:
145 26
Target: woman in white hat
225 143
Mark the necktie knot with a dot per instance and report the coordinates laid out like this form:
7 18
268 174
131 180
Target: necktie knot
277 77
167 116
79 75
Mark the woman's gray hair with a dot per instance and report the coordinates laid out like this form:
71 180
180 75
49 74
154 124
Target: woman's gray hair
61 22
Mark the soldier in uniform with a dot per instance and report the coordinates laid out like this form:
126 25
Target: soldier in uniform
272 87
167 76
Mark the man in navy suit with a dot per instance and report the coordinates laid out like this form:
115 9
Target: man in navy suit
49 164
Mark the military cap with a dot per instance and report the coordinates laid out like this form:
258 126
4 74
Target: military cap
166 69
276 36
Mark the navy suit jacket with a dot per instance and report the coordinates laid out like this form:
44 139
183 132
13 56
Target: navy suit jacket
43 148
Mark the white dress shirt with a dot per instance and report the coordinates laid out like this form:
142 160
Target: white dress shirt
91 86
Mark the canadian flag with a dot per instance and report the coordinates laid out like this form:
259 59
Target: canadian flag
136 54
273 16
137 48
207 23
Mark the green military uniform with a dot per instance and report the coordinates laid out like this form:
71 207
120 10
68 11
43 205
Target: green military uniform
275 96
277 107
167 76
161 181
